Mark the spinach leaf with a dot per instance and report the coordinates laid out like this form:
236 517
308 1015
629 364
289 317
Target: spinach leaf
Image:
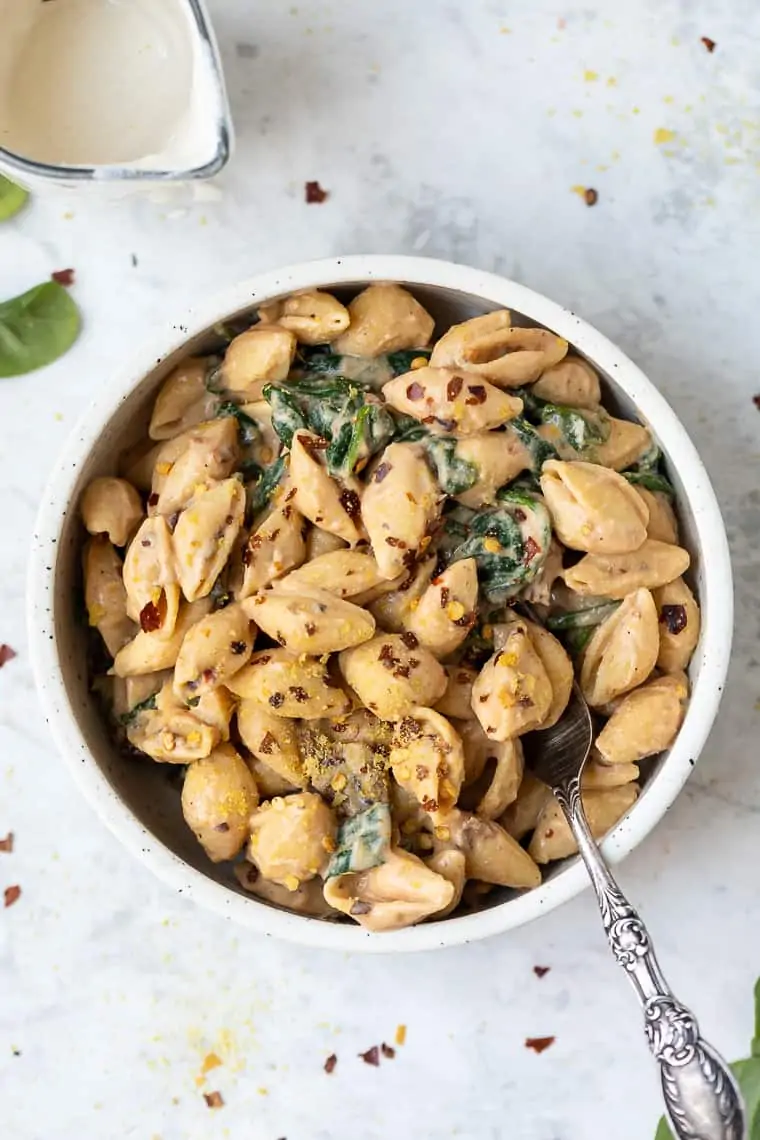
651 460
408 429
36 328
540 449
141 707
261 485
12 198
454 475
587 618
651 481
363 841
214 380
577 431
247 428
401 361
509 543
532 404
287 417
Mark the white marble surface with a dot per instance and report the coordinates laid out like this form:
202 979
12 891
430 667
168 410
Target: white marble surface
456 130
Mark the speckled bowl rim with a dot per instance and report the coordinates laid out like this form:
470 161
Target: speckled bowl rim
717 593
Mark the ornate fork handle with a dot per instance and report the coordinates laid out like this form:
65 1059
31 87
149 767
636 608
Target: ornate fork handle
701 1095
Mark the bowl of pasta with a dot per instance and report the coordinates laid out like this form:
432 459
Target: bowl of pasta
276 601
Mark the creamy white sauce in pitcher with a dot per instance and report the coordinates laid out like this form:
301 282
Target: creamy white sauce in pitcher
105 82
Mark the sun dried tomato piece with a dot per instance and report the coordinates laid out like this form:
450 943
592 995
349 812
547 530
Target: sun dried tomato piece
314 193
153 616
674 617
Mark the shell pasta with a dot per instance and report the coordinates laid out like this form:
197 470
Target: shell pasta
305 588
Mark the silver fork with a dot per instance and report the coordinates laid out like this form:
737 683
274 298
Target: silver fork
701 1096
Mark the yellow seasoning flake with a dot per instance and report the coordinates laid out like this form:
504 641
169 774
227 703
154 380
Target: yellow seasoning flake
338 781
329 844
419 362
443 833
491 544
487 632
292 882
210 1061
163 468
193 738
663 135
400 1034
96 613
508 660
455 611
414 603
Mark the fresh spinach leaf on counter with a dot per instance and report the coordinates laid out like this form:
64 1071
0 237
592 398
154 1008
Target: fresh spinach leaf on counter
12 198
747 1073
36 328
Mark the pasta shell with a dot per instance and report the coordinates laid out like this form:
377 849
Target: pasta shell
448 400
446 612
218 797
319 542
104 595
513 693
183 400
559 670
645 722
505 355
626 442
259 356
314 317
343 572
427 760
456 701
212 651
553 838
192 461
491 855
290 686
654 564
663 524
400 892
400 504
391 674
539 591
384 318
523 814
274 549
292 838
150 578
572 383
170 733
334 506
308 899
272 739
499 766
597 776
623 650
215 708
112 507
393 607
499 458
450 864
310 621
149 652
204 535
679 623
593 508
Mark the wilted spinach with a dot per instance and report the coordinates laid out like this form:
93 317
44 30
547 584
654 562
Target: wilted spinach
36 328
401 361
363 841
130 717
651 481
577 431
539 449
576 627
261 484
509 543
247 428
455 475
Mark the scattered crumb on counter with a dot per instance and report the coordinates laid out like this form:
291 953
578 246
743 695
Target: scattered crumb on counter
7 843
709 44
11 895
371 1057
388 1051
6 654
330 1063
314 193
538 1044
540 971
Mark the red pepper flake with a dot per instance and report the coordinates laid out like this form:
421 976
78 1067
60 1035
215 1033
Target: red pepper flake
152 499
152 616
756 401
371 1057
330 1063
267 743
238 647
315 194
590 196
214 1099
409 640
351 504
538 1044
388 1051
397 542
454 387
6 654
674 617
277 700
540 971
383 470
709 44
414 391
531 549
63 276
298 693
477 395
7 843
11 895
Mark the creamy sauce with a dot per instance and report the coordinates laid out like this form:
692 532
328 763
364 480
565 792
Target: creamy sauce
106 82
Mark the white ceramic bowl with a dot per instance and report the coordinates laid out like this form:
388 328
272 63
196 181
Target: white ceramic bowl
140 805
